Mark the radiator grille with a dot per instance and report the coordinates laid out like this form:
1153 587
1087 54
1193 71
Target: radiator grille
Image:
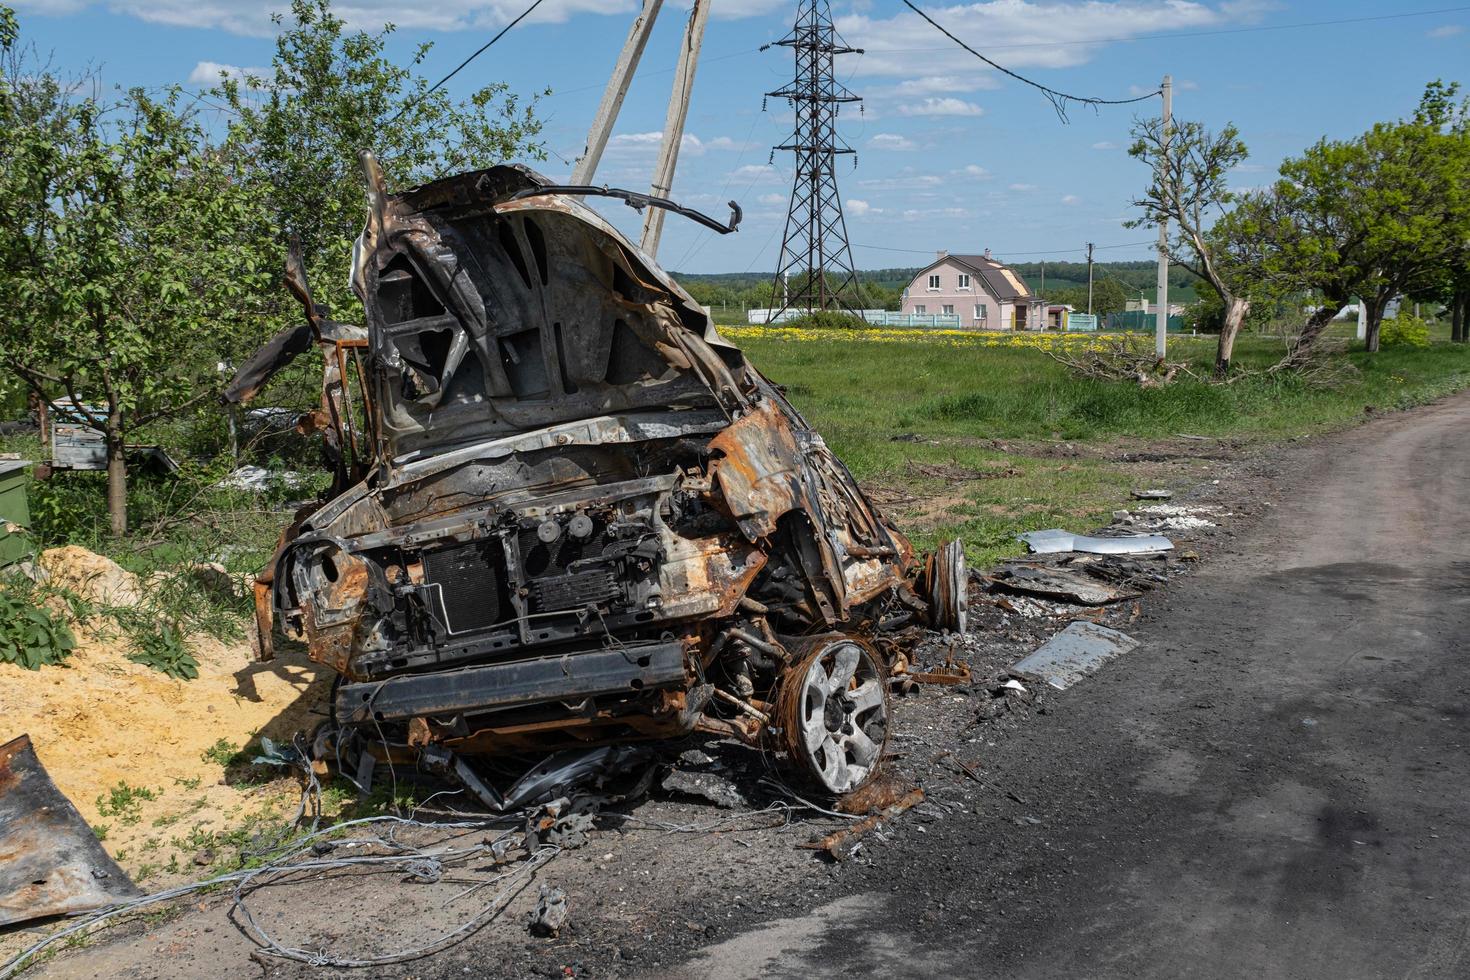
573 591
469 580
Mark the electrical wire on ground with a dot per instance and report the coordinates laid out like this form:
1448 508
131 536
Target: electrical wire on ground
419 863
1058 100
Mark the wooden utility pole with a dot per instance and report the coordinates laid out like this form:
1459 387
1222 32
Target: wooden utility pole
1089 278
668 156
1161 316
617 90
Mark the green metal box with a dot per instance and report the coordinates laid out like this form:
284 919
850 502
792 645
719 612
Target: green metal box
15 508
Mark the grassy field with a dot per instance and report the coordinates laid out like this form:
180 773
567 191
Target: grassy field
918 417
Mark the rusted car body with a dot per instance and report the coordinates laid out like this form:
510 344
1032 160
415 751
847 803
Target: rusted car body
568 513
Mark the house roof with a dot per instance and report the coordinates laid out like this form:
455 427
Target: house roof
1003 283
1000 280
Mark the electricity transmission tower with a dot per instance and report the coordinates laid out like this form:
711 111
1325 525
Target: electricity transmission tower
815 271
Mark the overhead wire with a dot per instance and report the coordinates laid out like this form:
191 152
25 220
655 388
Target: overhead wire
463 64
1058 99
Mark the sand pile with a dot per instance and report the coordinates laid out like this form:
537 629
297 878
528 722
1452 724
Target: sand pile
101 719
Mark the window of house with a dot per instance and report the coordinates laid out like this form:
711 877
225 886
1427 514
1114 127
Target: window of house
934 282
948 310
920 309
964 280
980 311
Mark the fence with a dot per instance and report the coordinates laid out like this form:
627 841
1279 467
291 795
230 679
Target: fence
876 318
1139 321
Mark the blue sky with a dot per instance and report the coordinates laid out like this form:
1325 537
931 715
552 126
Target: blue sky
951 155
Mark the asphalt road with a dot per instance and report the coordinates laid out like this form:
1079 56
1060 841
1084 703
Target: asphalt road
1273 785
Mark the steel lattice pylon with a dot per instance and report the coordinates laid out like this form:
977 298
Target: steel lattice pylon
815 271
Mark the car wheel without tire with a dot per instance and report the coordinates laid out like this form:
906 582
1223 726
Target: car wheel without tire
833 712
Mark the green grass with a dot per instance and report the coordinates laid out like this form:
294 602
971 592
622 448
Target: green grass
957 400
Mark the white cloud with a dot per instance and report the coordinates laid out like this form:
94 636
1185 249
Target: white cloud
938 85
210 72
974 171
771 199
892 141
941 107
690 145
906 179
1105 145
858 208
753 173
1023 188
254 19
1071 199
1023 33
1447 30
920 214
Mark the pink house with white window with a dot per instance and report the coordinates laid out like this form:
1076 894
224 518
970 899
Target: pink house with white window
983 293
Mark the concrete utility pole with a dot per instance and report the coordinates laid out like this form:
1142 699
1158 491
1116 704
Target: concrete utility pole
1161 318
668 156
617 90
1089 278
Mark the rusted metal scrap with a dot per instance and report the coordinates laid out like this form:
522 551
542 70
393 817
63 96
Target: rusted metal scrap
567 513
889 800
51 862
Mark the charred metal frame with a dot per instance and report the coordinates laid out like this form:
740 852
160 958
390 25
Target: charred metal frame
577 515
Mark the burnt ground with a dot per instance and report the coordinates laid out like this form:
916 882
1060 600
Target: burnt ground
1272 784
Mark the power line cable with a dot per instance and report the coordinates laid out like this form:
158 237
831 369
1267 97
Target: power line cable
1181 35
483 48
1046 251
1058 100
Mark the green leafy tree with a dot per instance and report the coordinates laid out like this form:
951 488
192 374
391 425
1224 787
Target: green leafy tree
1380 216
125 267
1189 189
331 94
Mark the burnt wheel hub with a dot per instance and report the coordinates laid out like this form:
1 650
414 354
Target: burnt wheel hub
835 714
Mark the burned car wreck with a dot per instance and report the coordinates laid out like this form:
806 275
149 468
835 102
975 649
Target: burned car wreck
567 513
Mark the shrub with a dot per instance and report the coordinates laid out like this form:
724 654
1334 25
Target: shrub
30 635
162 648
827 320
1404 330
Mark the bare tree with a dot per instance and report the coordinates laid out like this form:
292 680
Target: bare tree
1189 189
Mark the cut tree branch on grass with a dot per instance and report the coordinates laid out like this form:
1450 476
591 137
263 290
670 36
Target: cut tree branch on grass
1127 358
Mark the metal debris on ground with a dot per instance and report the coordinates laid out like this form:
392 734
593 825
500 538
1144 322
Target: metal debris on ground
1056 540
258 479
951 673
843 843
1074 653
51 862
706 785
1054 583
550 913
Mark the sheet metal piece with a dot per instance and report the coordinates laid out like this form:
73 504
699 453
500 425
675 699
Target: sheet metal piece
1055 540
1074 653
50 860
1060 585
